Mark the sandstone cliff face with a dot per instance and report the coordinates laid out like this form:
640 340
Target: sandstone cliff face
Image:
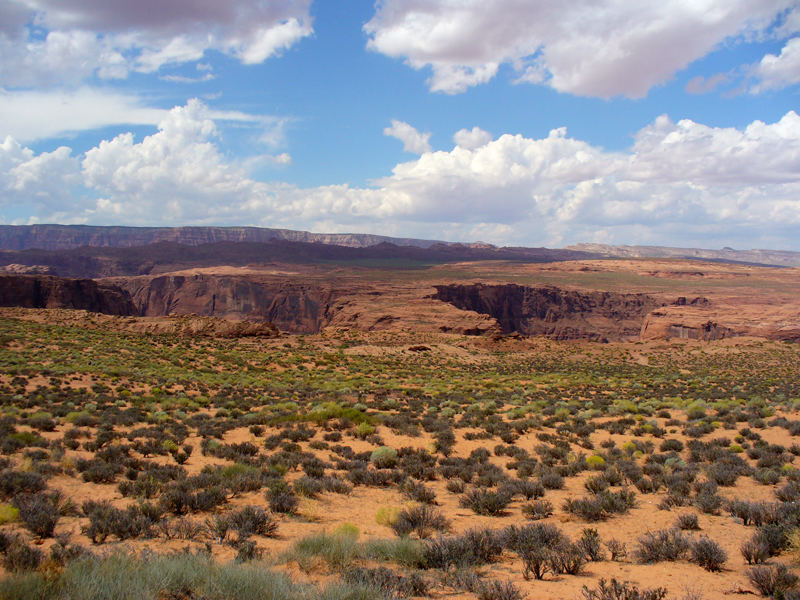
560 314
42 291
709 322
295 307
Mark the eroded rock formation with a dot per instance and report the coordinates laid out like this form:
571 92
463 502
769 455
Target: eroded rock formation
43 291
295 307
550 311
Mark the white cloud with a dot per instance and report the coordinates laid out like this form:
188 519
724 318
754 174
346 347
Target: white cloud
471 138
33 115
413 140
776 72
44 182
584 47
680 183
36 115
110 38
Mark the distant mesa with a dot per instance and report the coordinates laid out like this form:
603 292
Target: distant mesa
779 258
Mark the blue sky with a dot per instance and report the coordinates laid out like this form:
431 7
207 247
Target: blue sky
517 122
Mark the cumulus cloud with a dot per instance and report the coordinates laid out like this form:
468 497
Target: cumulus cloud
46 42
413 140
680 183
471 138
776 72
584 47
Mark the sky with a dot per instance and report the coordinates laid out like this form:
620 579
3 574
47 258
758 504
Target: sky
514 122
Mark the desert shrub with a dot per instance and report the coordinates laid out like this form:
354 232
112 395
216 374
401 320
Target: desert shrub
671 445
246 551
336 485
789 492
485 502
106 520
538 509
387 581
8 514
588 509
551 480
601 505
646 485
708 554
281 498
384 457
591 544
724 473
387 515
666 544
537 546
422 520
455 486
751 513
180 497
472 548
567 558
251 520
308 487
755 551
687 522
19 556
616 590
38 513
618 550
774 536
418 492
526 488
596 484
773 580
497 590
14 482
218 527
767 476
708 503
596 462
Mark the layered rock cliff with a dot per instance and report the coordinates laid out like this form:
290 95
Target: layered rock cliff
292 306
42 291
553 312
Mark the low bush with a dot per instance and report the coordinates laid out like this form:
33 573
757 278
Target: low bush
418 492
497 590
755 551
687 522
773 580
38 513
618 550
387 581
472 548
667 544
281 498
591 544
616 590
708 554
538 509
252 520
485 502
422 520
